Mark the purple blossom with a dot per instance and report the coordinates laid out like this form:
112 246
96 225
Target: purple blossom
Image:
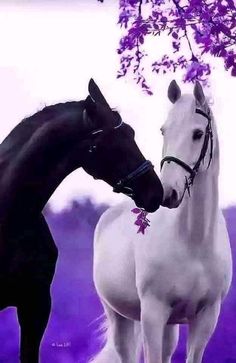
197 70
207 27
141 221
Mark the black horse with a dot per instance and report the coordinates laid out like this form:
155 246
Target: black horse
34 158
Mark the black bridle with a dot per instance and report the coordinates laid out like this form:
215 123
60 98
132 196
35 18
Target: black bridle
121 185
193 171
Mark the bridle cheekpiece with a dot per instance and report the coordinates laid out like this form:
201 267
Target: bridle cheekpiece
193 171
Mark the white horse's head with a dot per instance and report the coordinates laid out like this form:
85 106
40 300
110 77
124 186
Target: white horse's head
188 142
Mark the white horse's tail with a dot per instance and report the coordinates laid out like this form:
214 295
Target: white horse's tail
109 353
106 354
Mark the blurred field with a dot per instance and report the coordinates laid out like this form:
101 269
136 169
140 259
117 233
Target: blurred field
71 336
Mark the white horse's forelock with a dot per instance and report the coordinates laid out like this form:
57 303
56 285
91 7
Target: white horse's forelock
184 107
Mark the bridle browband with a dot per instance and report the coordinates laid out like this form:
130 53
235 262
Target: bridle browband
101 130
193 171
121 186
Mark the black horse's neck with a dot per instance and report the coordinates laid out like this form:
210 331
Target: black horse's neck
36 156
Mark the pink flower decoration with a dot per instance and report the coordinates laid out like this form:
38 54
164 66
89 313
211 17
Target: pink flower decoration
142 222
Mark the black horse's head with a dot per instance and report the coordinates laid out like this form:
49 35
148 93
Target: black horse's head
111 153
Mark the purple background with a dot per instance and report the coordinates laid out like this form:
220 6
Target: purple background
72 336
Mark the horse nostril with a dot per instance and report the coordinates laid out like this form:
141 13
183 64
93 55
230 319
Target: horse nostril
170 198
174 195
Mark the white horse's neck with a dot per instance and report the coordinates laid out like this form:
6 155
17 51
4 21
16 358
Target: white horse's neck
198 214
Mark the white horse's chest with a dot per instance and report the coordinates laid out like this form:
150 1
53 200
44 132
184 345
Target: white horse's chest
184 277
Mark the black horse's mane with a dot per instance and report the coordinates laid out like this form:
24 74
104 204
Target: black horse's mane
26 128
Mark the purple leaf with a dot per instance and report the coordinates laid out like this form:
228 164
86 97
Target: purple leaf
175 35
233 71
141 220
136 210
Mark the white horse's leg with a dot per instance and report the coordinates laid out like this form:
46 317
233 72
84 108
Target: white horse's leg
154 316
200 332
125 338
170 340
121 341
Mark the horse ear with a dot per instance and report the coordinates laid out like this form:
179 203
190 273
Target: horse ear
96 94
89 111
199 94
174 92
90 105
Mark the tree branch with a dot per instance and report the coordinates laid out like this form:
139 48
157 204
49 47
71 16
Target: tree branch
140 8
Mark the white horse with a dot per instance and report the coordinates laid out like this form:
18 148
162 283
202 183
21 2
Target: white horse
180 270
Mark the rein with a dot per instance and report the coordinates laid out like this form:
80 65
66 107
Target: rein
193 171
121 186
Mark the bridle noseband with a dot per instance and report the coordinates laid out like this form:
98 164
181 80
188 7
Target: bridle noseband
193 171
121 186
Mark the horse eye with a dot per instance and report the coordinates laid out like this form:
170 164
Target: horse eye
197 134
162 130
